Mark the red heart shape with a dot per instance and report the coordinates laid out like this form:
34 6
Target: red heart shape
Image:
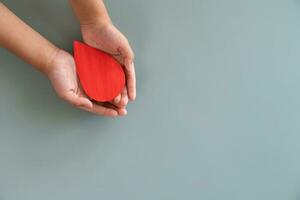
100 75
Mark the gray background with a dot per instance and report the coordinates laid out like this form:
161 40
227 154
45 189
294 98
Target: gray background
217 113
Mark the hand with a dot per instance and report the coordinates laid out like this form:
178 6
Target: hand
62 74
109 39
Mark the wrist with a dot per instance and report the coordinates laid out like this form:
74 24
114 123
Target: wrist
97 22
90 12
50 61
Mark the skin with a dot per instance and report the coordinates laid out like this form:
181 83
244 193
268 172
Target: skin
59 66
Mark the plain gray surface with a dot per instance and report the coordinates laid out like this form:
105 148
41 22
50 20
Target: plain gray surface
217 113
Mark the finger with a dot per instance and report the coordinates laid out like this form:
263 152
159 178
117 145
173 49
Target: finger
131 81
128 57
124 98
116 104
76 100
103 110
117 99
130 76
121 110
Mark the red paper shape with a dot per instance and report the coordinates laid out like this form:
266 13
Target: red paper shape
100 75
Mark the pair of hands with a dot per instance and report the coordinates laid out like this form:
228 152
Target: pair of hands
62 71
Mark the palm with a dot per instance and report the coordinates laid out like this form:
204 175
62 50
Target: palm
65 82
109 39
63 75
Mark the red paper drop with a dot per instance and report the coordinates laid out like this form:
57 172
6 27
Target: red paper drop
100 75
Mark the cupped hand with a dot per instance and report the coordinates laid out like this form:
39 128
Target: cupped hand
108 38
62 74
